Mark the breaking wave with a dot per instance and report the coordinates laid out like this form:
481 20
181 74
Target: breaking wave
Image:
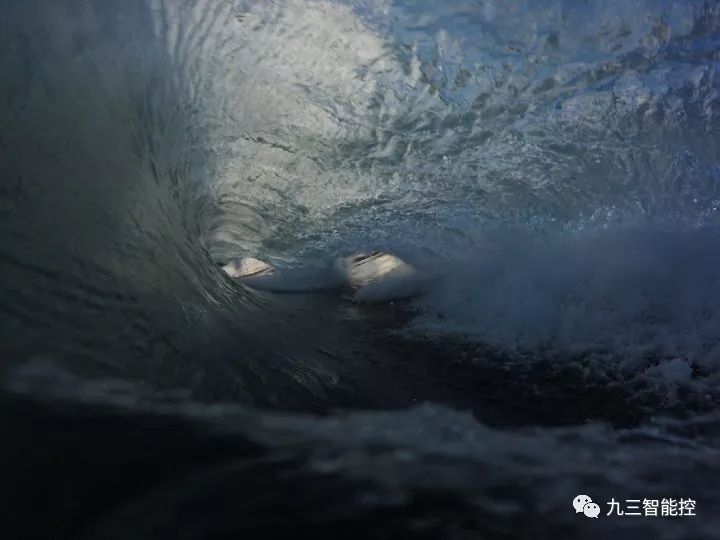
553 167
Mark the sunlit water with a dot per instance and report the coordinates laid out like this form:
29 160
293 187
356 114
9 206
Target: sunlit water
554 167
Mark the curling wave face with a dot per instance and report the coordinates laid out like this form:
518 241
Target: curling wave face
552 167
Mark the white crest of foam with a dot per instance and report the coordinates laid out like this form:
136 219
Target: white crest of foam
375 277
246 267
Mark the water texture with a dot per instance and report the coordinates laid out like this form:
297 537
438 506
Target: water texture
552 167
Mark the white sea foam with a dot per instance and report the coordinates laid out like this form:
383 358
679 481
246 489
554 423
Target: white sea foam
644 296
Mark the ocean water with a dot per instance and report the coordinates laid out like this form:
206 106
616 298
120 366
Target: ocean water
551 167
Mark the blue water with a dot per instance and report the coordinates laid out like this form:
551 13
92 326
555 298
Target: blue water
553 166
555 163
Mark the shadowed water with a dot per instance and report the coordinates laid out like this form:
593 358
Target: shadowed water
551 168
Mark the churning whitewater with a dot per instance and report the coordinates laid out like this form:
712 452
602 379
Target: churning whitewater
378 268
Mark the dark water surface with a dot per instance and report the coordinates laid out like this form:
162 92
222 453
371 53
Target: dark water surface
553 166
